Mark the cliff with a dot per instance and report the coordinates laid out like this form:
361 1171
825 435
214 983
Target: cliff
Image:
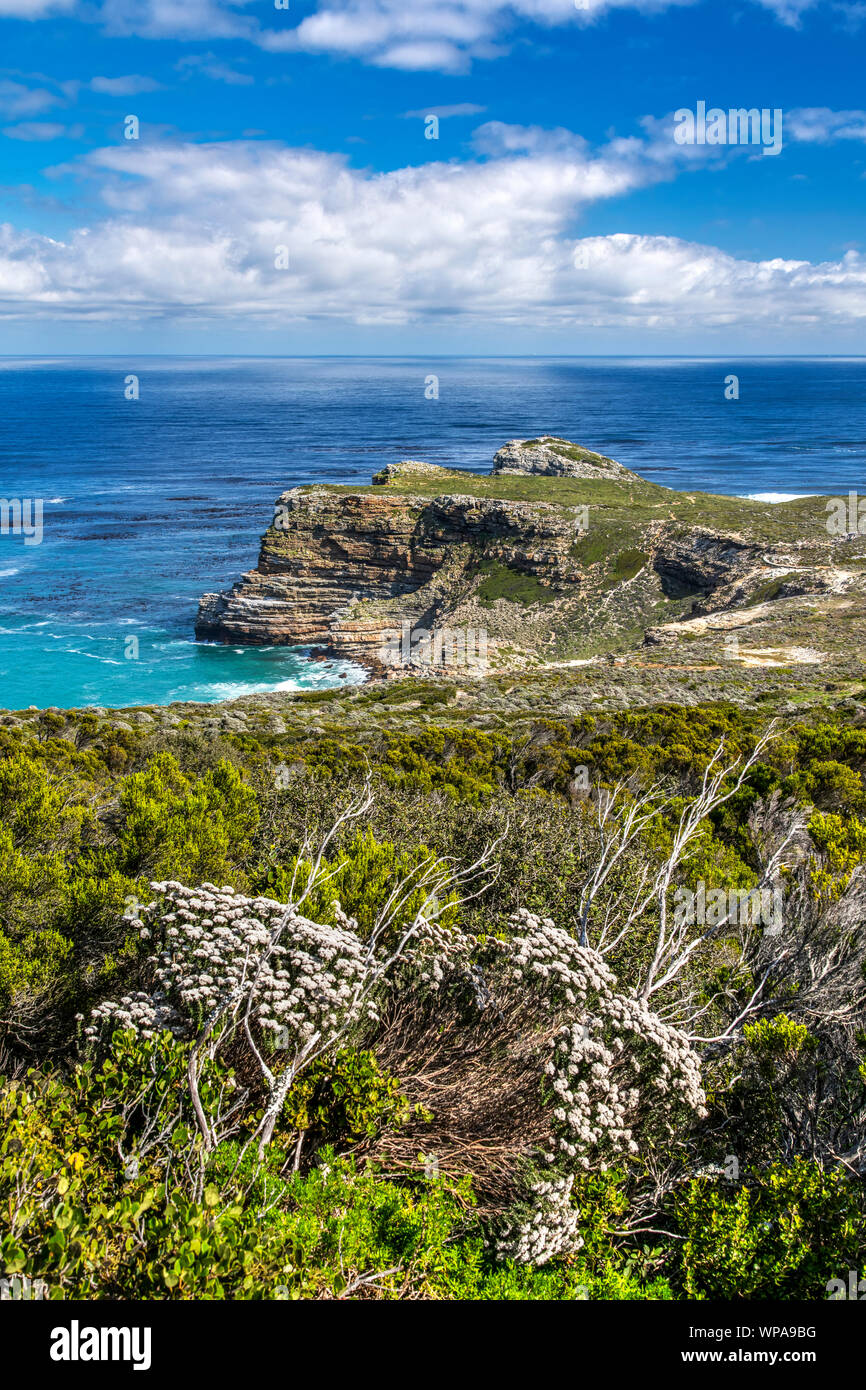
342 570
437 568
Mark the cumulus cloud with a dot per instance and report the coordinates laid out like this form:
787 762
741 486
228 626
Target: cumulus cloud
203 232
447 34
414 35
662 282
442 35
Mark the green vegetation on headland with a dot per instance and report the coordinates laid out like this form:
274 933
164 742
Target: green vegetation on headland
411 1158
501 581
634 500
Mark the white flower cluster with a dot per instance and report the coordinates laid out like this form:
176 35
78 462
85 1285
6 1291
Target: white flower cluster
436 952
145 1014
616 1063
552 1229
546 955
212 946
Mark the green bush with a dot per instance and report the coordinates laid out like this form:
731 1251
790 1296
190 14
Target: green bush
781 1234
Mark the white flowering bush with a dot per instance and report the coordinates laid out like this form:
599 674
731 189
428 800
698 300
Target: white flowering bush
616 1067
221 968
542 1063
211 947
144 1014
223 964
549 1227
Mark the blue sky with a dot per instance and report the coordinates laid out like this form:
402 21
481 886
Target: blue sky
282 197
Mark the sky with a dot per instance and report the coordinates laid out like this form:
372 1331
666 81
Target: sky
266 176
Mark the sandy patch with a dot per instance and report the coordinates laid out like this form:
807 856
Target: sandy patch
778 656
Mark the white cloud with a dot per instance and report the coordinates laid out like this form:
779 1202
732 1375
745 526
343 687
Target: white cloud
130 86
192 232
448 34
177 19
818 124
414 35
43 130
789 12
18 100
427 35
664 282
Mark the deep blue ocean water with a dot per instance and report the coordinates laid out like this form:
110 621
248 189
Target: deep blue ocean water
149 503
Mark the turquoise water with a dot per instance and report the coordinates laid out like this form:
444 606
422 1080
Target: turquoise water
100 672
148 504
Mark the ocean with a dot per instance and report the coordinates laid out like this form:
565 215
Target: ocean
150 502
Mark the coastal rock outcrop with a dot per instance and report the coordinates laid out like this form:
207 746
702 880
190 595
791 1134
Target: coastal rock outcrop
406 468
557 458
506 572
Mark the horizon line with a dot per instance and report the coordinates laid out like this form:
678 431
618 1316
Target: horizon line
458 356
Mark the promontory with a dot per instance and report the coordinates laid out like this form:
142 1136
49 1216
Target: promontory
560 555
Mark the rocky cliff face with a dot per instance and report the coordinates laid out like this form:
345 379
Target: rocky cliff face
345 570
416 573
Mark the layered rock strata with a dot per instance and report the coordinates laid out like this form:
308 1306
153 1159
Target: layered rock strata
343 570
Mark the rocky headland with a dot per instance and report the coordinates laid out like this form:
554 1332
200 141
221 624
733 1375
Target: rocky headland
560 555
